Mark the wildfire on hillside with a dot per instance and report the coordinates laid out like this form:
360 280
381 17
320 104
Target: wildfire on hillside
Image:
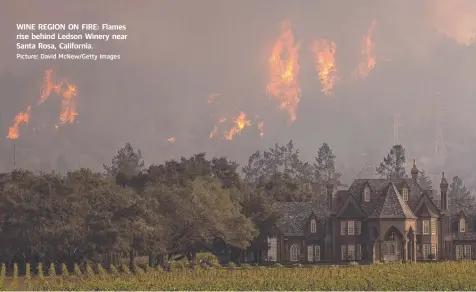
324 54
368 62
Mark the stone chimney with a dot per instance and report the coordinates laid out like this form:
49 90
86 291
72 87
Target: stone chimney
330 193
444 193
414 172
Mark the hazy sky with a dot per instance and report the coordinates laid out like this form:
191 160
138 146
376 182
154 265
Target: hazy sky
179 52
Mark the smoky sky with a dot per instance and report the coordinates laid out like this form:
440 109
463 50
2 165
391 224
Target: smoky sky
179 52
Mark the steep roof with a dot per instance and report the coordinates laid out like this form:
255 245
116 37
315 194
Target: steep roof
392 206
294 216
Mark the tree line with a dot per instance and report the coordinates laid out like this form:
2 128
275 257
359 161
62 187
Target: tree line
173 209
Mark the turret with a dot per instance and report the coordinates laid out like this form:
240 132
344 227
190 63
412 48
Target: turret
444 193
414 171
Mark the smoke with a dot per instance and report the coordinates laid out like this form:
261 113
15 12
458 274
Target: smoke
180 52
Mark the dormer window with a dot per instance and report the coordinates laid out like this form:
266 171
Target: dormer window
366 194
405 194
313 226
462 225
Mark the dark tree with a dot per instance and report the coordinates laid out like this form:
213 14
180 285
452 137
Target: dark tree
393 166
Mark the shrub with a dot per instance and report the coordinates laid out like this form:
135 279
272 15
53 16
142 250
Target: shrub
246 266
52 270
101 271
89 270
353 264
231 265
39 271
113 269
77 270
277 265
64 270
28 271
125 269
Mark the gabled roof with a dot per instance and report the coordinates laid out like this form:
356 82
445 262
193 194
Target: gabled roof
351 209
426 207
294 216
392 206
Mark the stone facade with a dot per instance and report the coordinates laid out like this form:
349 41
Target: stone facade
373 220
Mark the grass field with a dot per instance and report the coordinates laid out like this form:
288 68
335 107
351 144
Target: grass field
424 276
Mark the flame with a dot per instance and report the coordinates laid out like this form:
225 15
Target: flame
68 104
66 90
324 52
213 132
171 139
240 123
368 46
21 117
260 128
284 70
222 120
454 19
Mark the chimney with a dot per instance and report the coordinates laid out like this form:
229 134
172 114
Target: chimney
330 193
444 195
414 172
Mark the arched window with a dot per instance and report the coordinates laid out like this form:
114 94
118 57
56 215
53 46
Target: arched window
294 252
462 225
366 194
405 194
313 226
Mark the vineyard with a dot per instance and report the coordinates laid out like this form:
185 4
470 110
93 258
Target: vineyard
395 276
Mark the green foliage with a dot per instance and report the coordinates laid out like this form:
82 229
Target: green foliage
460 197
89 270
101 271
39 271
28 271
138 270
77 270
125 269
113 269
231 265
64 270
52 270
14 284
277 265
3 274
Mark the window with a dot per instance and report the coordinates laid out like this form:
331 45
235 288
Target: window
426 227
366 194
467 252
317 253
459 252
358 227
433 227
272 249
310 253
343 252
358 252
391 248
350 227
462 225
405 194
342 228
426 251
433 251
351 252
313 226
294 253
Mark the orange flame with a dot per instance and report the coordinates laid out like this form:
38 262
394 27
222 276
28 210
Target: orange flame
283 84
67 91
368 47
240 123
171 139
213 132
324 53
21 117
260 128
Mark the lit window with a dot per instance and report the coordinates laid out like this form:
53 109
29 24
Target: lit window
351 252
317 253
342 228
459 252
426 251
433 250
294 253
462 225
313 226
358 252
272 249
433 227
358 227
367 194
426 227
310 253
405 194
467 252
350 227
343 252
